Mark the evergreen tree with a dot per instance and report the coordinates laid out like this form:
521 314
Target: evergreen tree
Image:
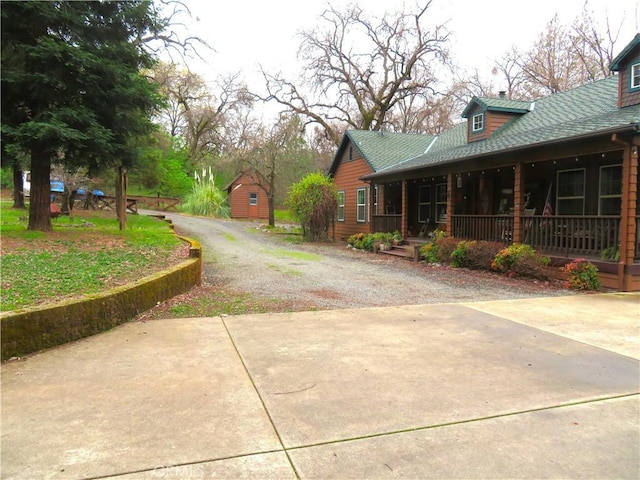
72 91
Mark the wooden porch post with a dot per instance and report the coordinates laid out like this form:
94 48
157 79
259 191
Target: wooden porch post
450 186
372 212
628 212
518 202
404 223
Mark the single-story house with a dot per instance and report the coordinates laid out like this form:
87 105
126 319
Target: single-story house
559 173
247 199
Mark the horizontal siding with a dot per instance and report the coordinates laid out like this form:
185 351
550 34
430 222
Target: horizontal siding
495 120
239 198
346 178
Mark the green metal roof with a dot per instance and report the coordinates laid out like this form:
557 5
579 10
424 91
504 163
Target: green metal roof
588 110
385 149
497 105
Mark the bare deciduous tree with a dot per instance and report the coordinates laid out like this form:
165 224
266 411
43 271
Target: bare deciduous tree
562 57
594 47
165 35
196 113
550 64
357 69
268 152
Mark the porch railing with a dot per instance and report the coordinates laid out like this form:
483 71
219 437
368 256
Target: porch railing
493 228
585 235
560 235
386 223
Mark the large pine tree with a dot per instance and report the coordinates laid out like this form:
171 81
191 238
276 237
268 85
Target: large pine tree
72 88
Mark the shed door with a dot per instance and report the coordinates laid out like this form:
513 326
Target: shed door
253 205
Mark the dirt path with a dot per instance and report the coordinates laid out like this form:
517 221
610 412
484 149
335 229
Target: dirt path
245 259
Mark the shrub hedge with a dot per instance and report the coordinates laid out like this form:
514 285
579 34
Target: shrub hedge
516 259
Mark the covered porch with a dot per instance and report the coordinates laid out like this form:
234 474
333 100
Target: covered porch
568 207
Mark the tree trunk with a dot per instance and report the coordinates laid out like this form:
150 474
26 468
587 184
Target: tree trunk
18 187
121 197
40 196
68 197
272 218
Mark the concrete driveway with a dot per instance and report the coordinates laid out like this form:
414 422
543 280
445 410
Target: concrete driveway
536 388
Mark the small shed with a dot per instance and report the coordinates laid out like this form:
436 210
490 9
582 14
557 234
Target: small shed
247 199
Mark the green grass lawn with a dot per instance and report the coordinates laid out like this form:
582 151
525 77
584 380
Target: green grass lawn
83 255
284 216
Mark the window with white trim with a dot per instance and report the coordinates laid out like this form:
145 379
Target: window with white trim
635 76
341 206
570 192
477 122
610 191
361 205
424 203
253 198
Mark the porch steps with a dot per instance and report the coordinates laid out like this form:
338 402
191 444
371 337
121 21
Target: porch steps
409 249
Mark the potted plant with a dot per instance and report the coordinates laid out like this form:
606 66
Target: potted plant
397 238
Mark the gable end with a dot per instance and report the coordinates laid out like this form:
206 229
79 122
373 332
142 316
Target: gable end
627 64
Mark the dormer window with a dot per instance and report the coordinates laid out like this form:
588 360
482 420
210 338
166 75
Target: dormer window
478 122
635 76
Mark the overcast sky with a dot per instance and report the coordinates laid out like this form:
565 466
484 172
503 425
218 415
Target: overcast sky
246 33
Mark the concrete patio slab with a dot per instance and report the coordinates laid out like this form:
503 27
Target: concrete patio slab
267 466
433 391
610 321
596 440
138 397
334 375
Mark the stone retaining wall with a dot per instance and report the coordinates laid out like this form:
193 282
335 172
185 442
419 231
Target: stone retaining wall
31 329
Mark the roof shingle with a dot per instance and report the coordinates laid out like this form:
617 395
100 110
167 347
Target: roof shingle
586 110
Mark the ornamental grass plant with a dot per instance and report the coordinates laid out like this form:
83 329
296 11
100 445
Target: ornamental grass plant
206 198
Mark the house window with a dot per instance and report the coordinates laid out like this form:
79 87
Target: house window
570 198
341 206
441 201
253 198
361 205
478 122
424 203
610 190
635 76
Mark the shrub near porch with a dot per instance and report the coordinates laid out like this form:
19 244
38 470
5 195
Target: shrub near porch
517 259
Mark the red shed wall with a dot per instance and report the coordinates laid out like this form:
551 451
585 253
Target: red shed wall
239 199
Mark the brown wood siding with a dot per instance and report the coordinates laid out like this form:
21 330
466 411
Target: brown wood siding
239 199
346 178
494 120
627 97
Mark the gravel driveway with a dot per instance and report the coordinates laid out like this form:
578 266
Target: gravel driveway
330 276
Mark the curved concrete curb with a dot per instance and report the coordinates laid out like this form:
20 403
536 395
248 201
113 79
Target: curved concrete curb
29 330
